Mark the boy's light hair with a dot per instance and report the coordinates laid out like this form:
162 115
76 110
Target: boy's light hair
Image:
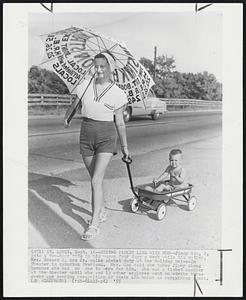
174 152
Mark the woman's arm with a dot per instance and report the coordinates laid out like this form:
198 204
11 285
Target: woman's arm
121 129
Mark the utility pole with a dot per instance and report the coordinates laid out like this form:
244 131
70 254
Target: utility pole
155 50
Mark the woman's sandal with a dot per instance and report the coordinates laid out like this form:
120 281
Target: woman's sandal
102 218
91 232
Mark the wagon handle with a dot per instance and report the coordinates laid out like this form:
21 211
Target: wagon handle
128 161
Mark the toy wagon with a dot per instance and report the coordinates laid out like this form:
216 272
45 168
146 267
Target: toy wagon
158 201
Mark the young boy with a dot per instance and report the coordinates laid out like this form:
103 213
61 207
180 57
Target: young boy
174 175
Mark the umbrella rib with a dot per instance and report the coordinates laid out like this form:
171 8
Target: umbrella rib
136 73
93 43
91 49
83 77
87 39
102 37
98 44
133 69
118 53
87 50
61 34
98 36
122 64
112 47
56 57
105 47
121 59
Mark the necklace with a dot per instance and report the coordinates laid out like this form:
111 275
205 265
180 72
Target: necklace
97 97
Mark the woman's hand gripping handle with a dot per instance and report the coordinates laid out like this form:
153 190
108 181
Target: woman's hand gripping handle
127 159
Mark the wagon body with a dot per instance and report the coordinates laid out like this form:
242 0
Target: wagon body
162 196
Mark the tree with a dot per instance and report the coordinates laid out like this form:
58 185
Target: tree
45 82
148 64
164 65
169 83
203 86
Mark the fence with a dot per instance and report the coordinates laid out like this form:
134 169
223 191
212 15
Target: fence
57 103
50 99
58 99
190 102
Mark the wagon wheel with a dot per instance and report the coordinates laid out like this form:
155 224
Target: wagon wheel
167 200
134 204
192 203
161 211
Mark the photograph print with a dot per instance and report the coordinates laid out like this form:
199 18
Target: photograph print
125 130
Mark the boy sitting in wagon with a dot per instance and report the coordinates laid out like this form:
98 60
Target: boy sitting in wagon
173 177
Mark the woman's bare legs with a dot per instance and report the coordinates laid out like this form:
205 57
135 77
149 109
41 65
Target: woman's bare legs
96 166
90 165
89 162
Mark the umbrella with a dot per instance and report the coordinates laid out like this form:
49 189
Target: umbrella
70 52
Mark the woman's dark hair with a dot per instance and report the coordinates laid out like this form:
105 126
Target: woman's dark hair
100 55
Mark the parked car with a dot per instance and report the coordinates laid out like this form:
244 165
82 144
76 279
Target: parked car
154 108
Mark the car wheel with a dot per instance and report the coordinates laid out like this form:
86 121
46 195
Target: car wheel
127 114
155 116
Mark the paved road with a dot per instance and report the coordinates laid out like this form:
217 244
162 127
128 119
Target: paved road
53 148
59 191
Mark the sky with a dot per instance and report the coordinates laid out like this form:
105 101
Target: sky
195 41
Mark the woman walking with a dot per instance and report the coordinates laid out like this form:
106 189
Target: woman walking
101 100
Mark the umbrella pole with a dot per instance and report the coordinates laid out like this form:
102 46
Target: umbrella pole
70 113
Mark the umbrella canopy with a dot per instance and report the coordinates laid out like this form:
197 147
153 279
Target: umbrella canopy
70 54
